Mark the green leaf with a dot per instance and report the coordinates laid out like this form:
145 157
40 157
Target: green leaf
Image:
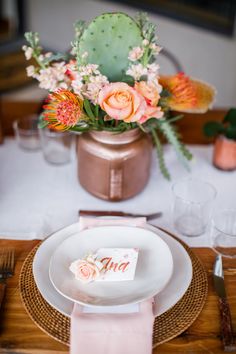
230 132
128 80
160 154
141 127
172 137
212 129
231 117
42 124
55 57
165 93
88 109
174 119
96 110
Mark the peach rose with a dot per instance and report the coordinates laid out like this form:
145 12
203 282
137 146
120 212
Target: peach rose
122 102
151 112
149 91
86 270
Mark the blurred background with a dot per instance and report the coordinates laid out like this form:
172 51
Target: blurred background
198 36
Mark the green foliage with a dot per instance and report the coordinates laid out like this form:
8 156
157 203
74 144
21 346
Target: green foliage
56 57
231 117
88 109
160 154
108 40
167 129
226 128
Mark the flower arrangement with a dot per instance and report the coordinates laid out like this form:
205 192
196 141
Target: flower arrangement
110 81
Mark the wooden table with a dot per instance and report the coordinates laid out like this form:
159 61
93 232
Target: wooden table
18 334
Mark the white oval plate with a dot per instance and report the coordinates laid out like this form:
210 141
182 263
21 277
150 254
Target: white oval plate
167 298
153 271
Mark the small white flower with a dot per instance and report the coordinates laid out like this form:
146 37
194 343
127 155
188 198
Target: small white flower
84 55
48 54
154 67
53 76
99 79
41 57
77 86
155 48
63 85
28 52
136 53
145 42
90 69
31 71
136 71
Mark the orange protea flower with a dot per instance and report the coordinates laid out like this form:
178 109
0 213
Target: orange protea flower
63 110
186 94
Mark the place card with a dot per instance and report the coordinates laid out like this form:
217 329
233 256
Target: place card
118 263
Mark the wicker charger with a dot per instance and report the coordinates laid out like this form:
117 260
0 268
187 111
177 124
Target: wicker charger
166 326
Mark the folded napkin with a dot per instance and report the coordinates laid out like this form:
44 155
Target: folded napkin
124 330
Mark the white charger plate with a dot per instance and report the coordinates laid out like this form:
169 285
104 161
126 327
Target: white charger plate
167 298
153 271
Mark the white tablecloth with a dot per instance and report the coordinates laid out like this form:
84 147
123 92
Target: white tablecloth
37 198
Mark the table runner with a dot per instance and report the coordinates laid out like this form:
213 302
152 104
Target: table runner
36 198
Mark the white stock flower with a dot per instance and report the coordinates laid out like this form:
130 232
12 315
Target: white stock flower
136 71
53 76
48 54
28 52
31 71
155 48
92 88
145 42
84 55
136 53
77 85
152 71
90 69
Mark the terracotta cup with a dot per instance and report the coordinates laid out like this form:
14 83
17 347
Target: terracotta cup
114 166
224 156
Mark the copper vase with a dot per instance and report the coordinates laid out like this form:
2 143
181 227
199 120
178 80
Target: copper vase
114 166
224 156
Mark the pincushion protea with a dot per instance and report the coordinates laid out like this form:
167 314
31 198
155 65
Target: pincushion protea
187 94
63 110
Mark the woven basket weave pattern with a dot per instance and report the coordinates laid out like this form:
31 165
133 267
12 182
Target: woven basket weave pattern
167 326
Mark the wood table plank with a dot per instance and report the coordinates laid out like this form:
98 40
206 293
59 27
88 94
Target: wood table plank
18 334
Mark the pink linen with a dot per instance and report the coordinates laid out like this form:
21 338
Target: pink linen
112 333
88 222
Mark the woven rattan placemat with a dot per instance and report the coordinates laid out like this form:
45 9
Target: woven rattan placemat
167 326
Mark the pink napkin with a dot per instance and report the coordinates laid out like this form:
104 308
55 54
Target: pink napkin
112 333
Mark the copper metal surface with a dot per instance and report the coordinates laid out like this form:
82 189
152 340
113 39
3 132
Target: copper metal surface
114 166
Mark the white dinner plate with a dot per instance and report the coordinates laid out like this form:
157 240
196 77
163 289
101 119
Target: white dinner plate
153 271
168 297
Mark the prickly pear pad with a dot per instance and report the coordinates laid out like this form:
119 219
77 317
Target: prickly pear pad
108 40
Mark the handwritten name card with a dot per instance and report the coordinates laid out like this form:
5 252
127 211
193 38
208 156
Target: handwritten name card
118 263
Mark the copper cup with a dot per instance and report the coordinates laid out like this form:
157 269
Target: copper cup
114 166
224 156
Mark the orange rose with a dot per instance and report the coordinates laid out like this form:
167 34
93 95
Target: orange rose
122 102
151 112
149 91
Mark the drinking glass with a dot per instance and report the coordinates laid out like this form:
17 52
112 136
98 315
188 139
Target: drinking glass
27 133
57 146
193 201
223 232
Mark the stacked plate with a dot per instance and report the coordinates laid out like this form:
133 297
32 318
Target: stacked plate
164 268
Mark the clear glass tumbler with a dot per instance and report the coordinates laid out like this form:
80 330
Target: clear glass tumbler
56 146
223 232
27 133
193 201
